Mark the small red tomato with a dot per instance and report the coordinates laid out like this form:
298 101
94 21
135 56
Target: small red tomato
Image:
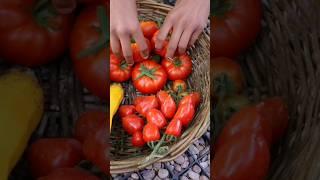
136 52
95 149
149 77
167 103
132 123
185 113
156 117
126 110
179 85
174 128
137 139
248 119
178 68
120 71
47 155
243 157
144 103
149 28
69 174
275 110
193 98
151 133
88 123
162 52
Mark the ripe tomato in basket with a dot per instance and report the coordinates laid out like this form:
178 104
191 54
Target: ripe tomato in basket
151 133
144 103
136 51
32 35
88 49
162 52
137 139
149 77
132 123
235 26
69 174
179 68
125 110
149 28
156 117
179 85
167 104
120 71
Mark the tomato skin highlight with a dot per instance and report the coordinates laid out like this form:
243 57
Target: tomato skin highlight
136 51
132 123
149 28
244 157
47 155
151 133
144 103
174 128
68 174
178 69
88 123
149 77
156 117
125 110
237 29
193 98
137 139
185 113
167 104
120 71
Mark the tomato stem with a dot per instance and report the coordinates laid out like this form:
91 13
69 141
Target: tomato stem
177 62
43 12
146 72
220 7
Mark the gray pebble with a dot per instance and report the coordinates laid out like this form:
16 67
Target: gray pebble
170 167
179 160
204 178
204 165
134 176
163 173
177 168
196 169
130 178
193 175
207 170
157 178
185 164
148 174
193 149
184 178
157 165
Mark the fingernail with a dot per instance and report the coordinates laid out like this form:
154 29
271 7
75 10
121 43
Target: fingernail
145 54
129 60
170 58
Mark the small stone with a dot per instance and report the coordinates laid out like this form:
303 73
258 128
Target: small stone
193 175
177 168
130 178
184 178
157 165
196 169
157 178
179 160
204 164
163 173
203 178
200 147
185 164
191 159
170 167
193 149
134 176
148 174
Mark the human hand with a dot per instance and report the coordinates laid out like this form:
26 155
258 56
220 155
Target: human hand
124 25
187 20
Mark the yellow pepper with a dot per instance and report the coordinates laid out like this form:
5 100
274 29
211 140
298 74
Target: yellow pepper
116 96
21 108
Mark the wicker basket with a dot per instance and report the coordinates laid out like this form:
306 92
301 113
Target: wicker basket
125 158
286 62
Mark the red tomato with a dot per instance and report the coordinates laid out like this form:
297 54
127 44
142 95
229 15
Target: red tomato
179 68
125 110
137 139
179 85
28 36
185 113
174 128
149 77
194 98
90 68
248 119
69 174
96 147
120 71
144 103
156 117
47 155
227 76
167 104
151 133
149 28
64 6
132 123
88 123
236 28
244 157
162 52
136 51
94 2
275 110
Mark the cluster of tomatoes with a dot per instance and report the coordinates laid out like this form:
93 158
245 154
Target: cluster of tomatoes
150 77
56 158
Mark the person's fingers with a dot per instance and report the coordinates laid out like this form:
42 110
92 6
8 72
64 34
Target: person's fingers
163 33
174 40
195 36
141 41
184 40
115 45
126 48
